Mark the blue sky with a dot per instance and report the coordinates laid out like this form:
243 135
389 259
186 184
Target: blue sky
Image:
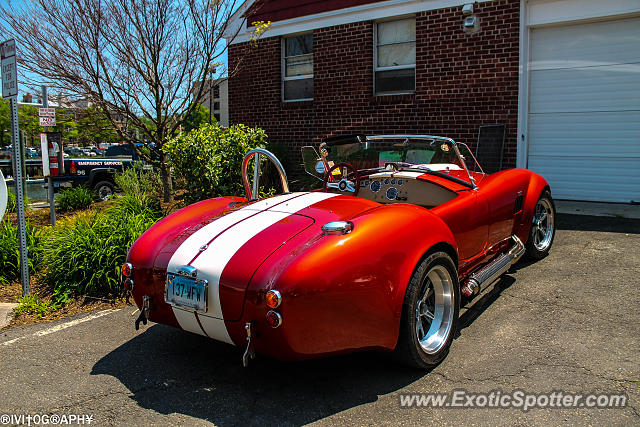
23 89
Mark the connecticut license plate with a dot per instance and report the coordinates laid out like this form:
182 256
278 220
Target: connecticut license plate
186 292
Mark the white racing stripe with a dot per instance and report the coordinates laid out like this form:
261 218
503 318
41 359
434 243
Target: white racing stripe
62 326
211 263
191 246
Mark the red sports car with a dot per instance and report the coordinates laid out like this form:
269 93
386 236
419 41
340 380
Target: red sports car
379 258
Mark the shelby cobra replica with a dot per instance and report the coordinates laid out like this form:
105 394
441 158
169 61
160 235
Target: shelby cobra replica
404 227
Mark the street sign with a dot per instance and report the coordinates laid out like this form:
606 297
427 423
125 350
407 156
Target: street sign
47 121
9 69
47 112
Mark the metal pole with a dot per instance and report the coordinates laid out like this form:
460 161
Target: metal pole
256 177
52 204
22 235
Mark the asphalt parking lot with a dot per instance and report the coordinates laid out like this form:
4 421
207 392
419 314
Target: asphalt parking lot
569 322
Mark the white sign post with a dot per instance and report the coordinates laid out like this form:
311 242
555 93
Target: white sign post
47 118
4 196
10 90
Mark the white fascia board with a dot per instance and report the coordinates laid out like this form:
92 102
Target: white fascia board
366 12
237 20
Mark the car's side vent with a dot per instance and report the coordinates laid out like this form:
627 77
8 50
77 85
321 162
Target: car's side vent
518 204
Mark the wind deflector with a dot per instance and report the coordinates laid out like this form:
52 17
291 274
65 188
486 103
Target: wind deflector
344 139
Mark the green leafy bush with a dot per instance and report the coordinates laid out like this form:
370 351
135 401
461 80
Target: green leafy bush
10 254
12 202
32 304
140 182
84 253
208 160
75 198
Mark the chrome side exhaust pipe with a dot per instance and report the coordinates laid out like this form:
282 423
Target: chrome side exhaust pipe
492 271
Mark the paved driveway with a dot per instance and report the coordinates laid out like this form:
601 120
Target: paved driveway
570 322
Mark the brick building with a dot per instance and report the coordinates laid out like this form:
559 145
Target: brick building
448 67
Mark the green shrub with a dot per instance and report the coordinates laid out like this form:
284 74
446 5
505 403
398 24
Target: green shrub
10 254
12 202
84 253
140 182
71 199
208 160
32 304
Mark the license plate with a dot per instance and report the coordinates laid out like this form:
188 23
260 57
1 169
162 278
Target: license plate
186 292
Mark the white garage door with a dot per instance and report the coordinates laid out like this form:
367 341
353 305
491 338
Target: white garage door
584 110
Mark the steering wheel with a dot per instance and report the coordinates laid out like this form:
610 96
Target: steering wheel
344 185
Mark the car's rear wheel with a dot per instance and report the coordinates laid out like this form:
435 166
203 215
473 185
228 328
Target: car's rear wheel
105 190
543 228
429 313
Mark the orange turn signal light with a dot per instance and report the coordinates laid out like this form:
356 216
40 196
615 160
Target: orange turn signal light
273 299
126 269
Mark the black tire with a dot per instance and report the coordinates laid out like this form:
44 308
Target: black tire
541 234
105 189
409 349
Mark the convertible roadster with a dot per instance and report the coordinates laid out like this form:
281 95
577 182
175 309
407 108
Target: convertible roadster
403 229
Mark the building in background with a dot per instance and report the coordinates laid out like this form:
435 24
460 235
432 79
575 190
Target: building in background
218 104
560 78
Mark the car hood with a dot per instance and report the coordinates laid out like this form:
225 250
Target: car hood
227 249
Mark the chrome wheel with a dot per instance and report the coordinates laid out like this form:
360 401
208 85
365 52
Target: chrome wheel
435 310
543 225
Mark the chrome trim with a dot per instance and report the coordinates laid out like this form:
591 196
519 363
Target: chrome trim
337 228
188 271
278 296
245 179
496 268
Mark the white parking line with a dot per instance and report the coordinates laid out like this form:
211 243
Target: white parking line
61 326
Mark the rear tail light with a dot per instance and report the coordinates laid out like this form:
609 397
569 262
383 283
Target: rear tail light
126 269
273 299
274 319
128 285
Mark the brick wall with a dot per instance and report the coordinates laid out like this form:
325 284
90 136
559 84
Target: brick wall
463 81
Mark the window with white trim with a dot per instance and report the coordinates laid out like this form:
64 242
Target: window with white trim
395 57
297 68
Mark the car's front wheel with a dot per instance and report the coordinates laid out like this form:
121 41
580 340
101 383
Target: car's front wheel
430 312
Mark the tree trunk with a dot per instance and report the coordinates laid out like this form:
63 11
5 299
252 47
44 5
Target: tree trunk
167 184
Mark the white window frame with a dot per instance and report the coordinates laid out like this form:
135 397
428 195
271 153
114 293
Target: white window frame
393 67
283 67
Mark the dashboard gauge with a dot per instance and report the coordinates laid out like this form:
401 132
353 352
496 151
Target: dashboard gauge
392 193
364 183
393 182
375 186
386 181
400 182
